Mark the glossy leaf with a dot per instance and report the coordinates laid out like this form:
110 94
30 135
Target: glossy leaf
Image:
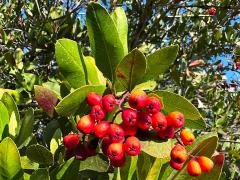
70 63
40 174
175 102
104 39
154 172
39 154
128 170
72 102
98 163
120 20
56 141
27 164
26 128
10 166
14 122
4 120
94 75
159 61
46 99
131 69
149 85
204 145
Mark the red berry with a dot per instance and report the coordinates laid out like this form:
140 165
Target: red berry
94 99
91 151
194 168
187 137
80 151
86 124
118 163
115 151
129 130
129 117
116 133
212 11
175 165
101 129
167 133
71 140
132 146
97 112
153 105
159 122
205 163
175 119
144 121
179 154
109 102
137 99
106 141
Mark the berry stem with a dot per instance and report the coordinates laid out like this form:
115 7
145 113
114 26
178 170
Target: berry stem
124 96
178 140
115 115
73 124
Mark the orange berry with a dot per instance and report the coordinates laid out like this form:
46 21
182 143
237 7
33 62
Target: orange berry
194 168
137 99
86 124
179 154
175 119
187 137
205 163
175 165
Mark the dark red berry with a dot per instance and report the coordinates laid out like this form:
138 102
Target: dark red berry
94 99
109 102
129 117
129 130
153 105
97 112
144 121
159 122
71 140
116 133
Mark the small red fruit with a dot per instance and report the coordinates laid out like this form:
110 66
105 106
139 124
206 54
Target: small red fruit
205 163
153 105
175 165
116 133
132 146
106 141
175 119
159 122
118 163
109 102
194 168
86 124
101 129
71 140
187 137
167 133
179 154
137 99
80 151
129 117
144 121
115 151
129 130
94 99
212 11
97 112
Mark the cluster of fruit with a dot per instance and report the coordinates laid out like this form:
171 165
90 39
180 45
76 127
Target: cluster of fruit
117 140
179 155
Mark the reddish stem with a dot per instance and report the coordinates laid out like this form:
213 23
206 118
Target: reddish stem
115 115
124 96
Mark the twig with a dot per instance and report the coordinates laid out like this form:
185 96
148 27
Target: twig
115 115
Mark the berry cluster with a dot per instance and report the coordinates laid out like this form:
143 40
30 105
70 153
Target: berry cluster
212 11
118 140
179 155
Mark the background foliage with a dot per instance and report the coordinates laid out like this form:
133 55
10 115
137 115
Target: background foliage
204 72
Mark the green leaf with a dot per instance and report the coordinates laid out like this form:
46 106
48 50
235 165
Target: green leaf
149 85
131 69
157 148
46 98
95 76
40 174
56 141
69 170
70 63
104 39
203 146
26 128
39 154
14 122
27 164
10 166
15 94
120 20
159 61
72 102
98 163
129 168
4 120
154 172
175 102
